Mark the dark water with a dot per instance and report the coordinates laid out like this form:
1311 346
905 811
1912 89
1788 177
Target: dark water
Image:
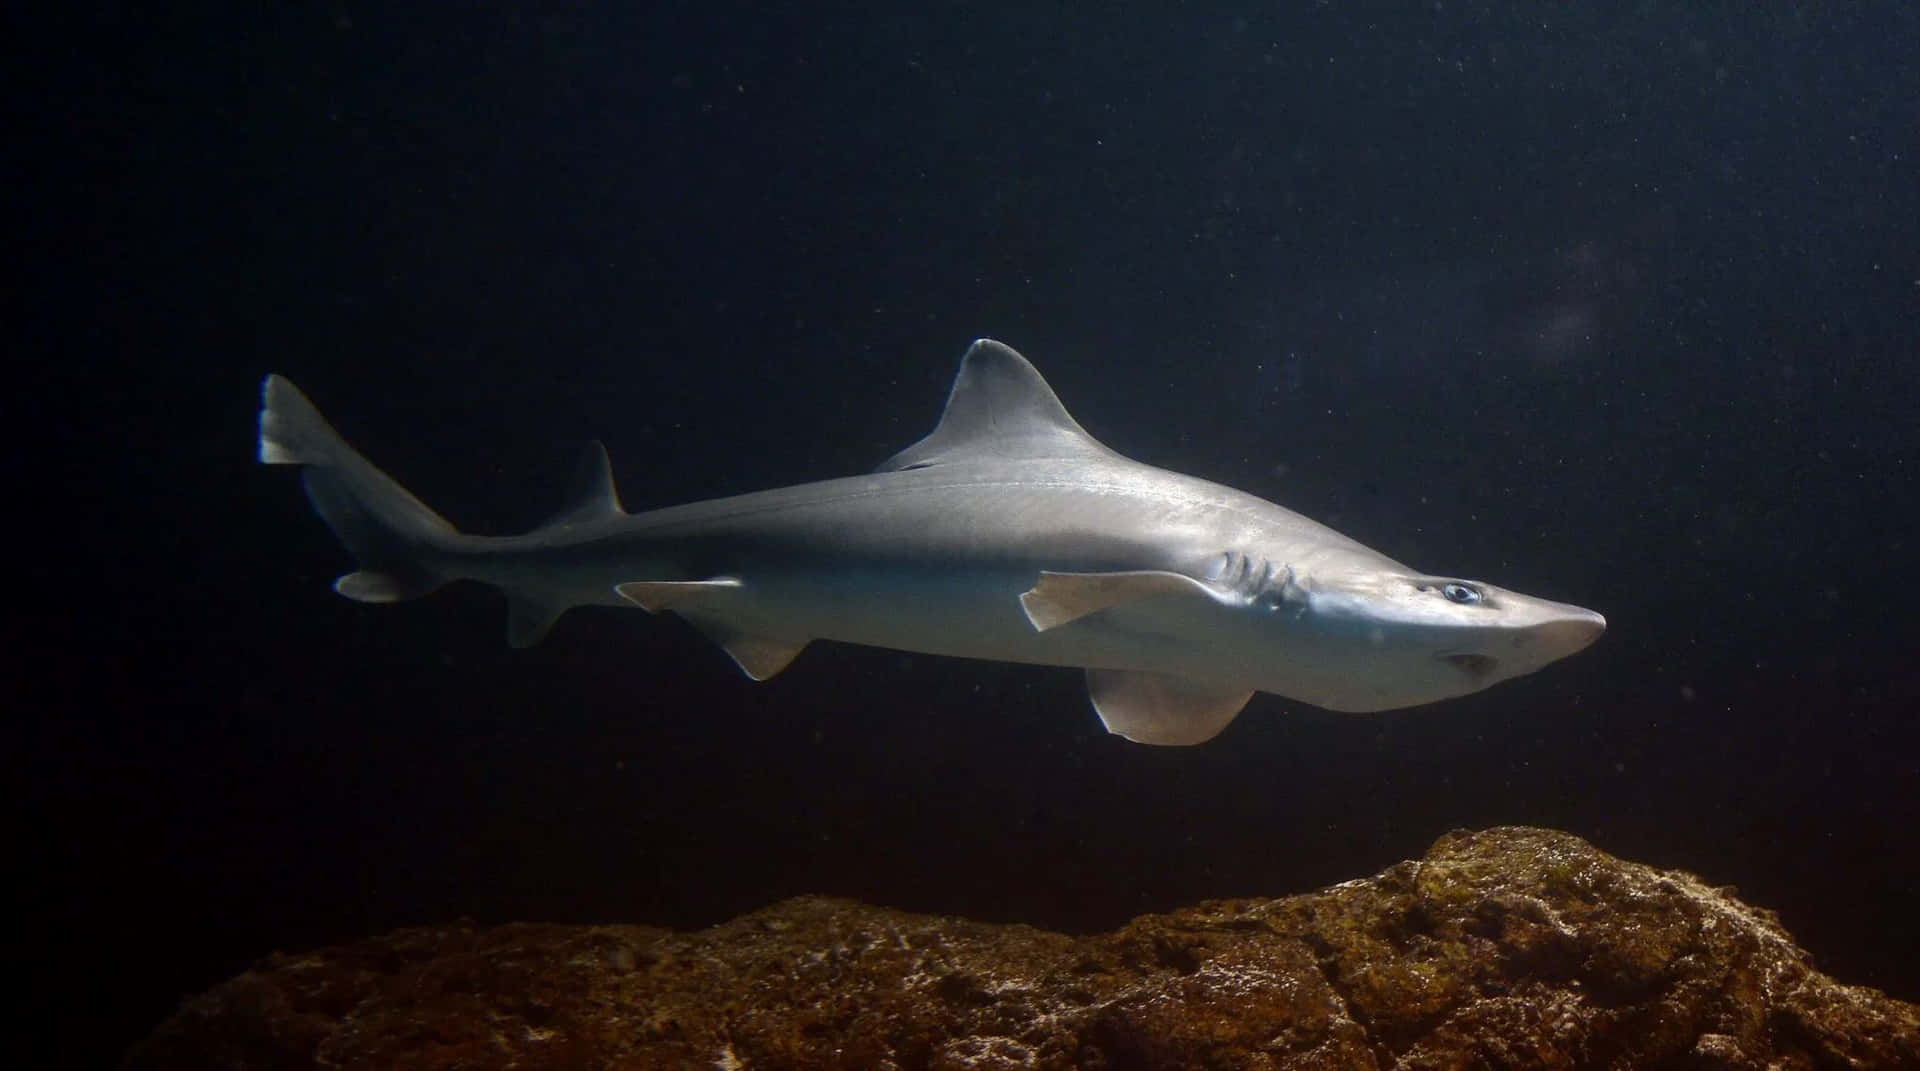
1611 308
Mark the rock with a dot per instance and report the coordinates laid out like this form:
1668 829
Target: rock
1511 947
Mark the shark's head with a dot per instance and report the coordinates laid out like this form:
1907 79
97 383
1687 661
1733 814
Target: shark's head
1415 639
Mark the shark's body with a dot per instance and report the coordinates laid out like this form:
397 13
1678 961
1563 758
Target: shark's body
1008 533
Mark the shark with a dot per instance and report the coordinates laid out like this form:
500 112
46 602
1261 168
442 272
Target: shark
1008 533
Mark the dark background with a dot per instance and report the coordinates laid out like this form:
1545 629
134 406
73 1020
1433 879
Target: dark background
1615 309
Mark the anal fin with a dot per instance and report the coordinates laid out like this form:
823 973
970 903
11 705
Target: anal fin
1158 708
529 618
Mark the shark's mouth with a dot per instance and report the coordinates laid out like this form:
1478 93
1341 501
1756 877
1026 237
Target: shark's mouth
1476 666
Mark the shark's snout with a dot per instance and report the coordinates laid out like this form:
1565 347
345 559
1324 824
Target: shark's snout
1527 649
1571 634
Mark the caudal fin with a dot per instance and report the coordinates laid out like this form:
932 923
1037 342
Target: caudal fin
389 532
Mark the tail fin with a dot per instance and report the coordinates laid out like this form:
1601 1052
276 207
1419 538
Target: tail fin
387 529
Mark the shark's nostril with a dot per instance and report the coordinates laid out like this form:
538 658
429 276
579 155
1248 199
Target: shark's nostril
1474 665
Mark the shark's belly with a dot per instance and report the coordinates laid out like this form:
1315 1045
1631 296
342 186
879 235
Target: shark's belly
966 614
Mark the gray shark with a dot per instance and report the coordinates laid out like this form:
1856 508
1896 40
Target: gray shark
1008 533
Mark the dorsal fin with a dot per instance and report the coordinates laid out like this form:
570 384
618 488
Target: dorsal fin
591 496
999 407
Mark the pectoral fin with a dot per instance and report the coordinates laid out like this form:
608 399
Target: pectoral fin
1060 598
1155 708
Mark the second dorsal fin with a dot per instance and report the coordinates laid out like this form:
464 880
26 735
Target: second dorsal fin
591 496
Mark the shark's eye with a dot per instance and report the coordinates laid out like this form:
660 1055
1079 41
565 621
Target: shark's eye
1464 594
